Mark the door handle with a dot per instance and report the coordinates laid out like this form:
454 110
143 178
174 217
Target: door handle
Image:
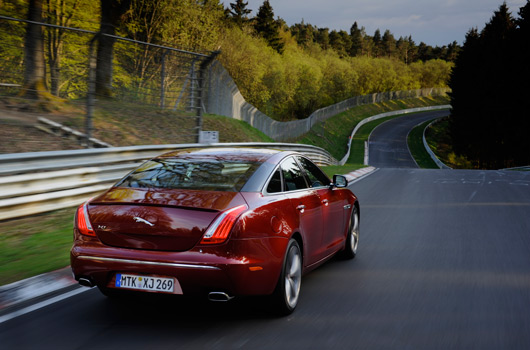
301 207
325 202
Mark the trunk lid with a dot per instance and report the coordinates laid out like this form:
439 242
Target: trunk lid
155 219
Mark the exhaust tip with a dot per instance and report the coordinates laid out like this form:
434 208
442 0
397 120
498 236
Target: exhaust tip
86 282
219 296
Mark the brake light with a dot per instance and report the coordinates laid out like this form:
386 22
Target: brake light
222 225
83 223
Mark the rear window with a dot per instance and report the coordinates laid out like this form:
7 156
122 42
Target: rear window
195 174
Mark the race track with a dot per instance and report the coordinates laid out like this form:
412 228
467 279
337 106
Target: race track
444 263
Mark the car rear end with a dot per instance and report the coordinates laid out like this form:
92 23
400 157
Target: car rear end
166 228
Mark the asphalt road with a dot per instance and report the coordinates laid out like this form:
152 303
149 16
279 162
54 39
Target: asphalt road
444 263
388 142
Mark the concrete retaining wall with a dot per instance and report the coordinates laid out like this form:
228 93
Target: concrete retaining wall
224 98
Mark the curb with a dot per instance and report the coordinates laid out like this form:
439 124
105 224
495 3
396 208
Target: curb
358 174
35 288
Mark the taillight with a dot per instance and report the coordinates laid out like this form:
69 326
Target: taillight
83 222
220 228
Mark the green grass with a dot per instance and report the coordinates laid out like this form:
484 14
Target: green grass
341 169
439 139
417 149
33 245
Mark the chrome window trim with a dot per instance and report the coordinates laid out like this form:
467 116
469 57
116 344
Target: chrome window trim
150 263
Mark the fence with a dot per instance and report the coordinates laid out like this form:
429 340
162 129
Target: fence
143 73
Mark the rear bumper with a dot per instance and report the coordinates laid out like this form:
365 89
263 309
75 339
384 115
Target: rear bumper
198 271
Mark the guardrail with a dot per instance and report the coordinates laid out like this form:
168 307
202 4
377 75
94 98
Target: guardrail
38 182
435 159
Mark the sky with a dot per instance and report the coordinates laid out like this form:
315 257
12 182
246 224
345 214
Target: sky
435 22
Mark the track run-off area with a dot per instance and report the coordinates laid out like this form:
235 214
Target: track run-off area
443 263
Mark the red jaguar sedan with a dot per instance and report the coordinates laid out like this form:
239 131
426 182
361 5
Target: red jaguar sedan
222 222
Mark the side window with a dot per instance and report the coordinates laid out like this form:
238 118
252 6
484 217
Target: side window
292 175
316 177
275 184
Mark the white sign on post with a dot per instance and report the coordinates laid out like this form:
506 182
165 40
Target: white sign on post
209 137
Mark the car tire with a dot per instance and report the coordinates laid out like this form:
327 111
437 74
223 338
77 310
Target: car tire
352 240
287 292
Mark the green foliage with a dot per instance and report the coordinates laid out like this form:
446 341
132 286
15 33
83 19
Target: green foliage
314 69
302 79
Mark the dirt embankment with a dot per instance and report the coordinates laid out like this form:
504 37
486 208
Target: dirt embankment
18 133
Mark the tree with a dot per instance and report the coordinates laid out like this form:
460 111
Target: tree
239 13
356 36
60 13
303 33
111 12
522 74
323 38
267 27
425 52
486 120
377 49
388 44
340 42
34 63
452 51
402 48
498 66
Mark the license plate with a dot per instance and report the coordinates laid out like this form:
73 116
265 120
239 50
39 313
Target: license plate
147 283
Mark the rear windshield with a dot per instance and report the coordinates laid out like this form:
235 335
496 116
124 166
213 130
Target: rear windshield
195 174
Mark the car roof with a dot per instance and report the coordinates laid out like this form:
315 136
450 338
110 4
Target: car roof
227 153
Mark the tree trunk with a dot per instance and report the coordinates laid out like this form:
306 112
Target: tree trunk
54 57
34 63
111 11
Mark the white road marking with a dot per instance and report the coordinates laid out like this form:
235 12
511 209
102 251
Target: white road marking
42 304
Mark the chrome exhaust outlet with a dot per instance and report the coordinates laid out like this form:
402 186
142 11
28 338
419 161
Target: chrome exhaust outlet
219 296
86 282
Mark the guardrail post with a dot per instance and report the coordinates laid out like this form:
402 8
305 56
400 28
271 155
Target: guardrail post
91 91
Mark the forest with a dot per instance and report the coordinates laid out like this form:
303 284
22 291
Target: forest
490 122
285 71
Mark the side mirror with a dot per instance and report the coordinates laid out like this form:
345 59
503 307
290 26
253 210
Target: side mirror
338 181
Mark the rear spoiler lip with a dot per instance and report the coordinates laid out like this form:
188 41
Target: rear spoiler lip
164 205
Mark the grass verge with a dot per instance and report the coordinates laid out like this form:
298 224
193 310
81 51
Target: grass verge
417 149
341 169
124 124
438 137
33 245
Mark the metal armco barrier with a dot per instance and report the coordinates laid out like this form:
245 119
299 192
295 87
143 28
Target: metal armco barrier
37 182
